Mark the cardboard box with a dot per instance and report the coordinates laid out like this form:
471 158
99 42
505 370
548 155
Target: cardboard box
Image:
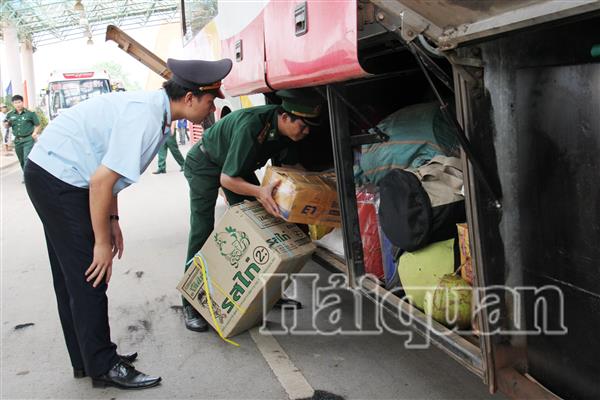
246 244
305 197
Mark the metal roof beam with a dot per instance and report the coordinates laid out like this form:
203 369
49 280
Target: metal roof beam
50 21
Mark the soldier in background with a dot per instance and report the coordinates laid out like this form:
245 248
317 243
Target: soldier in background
25 126
170 144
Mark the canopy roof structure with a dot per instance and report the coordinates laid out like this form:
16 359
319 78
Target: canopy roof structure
50 21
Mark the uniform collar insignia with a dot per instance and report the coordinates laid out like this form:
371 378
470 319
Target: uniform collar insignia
263 134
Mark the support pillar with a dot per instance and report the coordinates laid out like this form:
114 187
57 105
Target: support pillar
28 76
2 63
13 60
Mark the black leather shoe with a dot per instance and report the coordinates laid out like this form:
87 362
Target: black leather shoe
193 320
125 376
127 357
160 171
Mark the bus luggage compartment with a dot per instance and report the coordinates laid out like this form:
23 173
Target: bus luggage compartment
531 114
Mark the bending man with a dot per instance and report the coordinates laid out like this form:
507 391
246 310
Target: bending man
229 153
85 157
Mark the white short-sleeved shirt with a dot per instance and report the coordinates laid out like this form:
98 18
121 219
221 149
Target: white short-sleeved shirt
122 131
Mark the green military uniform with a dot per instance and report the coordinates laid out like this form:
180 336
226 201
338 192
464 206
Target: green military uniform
170 144
237 145
23 125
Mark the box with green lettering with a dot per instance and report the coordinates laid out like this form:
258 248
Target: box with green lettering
246 247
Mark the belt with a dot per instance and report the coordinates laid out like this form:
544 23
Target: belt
23 138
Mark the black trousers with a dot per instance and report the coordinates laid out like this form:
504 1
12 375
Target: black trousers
83 310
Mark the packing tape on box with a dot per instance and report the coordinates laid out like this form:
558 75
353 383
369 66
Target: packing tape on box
198 261
216 285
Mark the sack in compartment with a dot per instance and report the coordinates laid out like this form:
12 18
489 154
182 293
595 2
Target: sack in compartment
424 206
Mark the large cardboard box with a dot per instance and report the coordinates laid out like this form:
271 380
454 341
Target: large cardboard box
305 197
246 244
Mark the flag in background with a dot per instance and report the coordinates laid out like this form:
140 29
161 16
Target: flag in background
9 89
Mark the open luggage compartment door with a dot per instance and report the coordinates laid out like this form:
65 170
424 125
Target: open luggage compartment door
533 243
247 51
449 23
291 31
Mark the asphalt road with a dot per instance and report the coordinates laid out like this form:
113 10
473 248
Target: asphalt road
146 317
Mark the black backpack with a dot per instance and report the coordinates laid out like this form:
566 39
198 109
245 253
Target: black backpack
406 215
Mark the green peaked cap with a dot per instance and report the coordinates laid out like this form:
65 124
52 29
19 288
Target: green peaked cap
301 103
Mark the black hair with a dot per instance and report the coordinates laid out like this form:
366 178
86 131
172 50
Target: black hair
17 97
175 91
281 110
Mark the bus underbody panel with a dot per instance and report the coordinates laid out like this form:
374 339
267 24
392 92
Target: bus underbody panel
311 46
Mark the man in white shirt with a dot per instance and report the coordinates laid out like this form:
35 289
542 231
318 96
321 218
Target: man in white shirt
85 157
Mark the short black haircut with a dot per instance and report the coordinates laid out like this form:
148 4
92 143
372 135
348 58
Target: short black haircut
175 91
281 110
17 97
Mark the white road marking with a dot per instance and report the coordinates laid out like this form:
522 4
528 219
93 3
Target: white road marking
290 377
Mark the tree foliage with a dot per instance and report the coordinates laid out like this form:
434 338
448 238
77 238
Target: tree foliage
116 72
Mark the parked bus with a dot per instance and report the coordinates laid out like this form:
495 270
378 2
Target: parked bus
523 78
66 89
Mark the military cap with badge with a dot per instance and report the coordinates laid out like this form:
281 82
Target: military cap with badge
302 103
200 75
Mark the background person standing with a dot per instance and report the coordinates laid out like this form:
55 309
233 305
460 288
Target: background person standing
5 134
170 144
25 126
182 129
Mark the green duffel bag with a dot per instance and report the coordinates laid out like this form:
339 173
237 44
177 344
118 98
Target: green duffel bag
417 134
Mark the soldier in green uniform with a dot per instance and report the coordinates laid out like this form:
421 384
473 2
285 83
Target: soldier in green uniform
229 153
25 126
170 144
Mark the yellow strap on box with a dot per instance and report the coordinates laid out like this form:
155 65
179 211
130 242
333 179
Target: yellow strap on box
208 298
